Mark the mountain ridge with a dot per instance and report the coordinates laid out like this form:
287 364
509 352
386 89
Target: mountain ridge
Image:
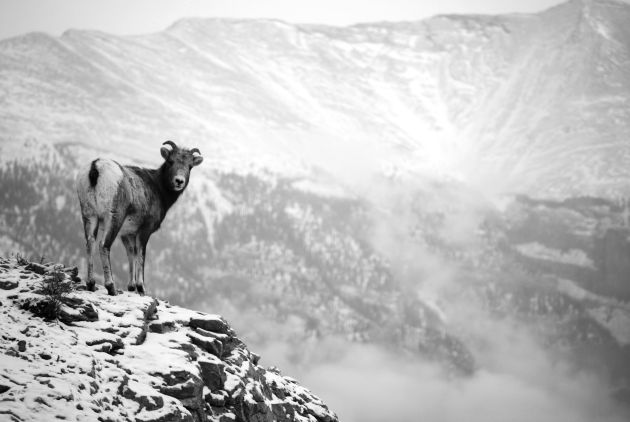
537 99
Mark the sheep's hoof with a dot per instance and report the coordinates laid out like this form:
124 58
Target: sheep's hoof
140 290
131 288
90 285
111 290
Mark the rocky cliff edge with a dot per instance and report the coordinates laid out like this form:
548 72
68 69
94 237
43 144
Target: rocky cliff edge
69 354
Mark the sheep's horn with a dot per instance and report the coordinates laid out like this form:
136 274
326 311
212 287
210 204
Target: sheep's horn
195 150
171 143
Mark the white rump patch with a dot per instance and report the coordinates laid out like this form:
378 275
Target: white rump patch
109 178
98 200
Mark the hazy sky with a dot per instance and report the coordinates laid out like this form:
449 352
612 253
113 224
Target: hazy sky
142 16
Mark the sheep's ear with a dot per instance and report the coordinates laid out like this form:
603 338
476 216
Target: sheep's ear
197 158
166 152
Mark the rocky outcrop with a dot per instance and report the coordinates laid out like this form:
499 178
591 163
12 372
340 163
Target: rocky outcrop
130 358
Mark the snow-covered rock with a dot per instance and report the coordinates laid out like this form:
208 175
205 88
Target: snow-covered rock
132 358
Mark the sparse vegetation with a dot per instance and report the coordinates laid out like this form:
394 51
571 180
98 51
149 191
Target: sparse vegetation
21 260
55 288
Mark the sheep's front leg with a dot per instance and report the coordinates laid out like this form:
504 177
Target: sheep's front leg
141 242
90 225
112 224
130 246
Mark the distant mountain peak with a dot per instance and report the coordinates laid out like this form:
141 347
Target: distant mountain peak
488 100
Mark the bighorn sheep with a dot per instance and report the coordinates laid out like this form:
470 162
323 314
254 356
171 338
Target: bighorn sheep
130 201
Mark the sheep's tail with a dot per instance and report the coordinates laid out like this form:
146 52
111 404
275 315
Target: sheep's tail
93 174
97 186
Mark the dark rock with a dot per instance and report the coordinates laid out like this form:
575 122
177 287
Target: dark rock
213 374
36 268
257 394
71 271
4 388
190 350
187 388
181 385
282 411
210 323
12 352
175 414
22 346
255 358
232 344
45 356
235 393
209 344
254 412
86 311
216 399
145 401
148 313
8 284
221 337
107 345
223 415
161 326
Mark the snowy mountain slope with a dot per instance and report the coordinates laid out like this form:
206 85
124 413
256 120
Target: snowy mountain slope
131 358
541 100
586 240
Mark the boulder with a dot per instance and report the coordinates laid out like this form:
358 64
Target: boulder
147 398
211 323
36 268
209 344
212 373
161 326
187 388
8 284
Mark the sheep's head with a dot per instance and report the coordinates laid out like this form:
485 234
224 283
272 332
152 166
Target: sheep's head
177 165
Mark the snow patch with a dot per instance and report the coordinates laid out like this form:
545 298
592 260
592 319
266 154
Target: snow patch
572 256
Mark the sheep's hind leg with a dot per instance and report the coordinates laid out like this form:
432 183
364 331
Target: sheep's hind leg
113 223
130 246
90 225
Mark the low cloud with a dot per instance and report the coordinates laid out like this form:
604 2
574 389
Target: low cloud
365 383
518 377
